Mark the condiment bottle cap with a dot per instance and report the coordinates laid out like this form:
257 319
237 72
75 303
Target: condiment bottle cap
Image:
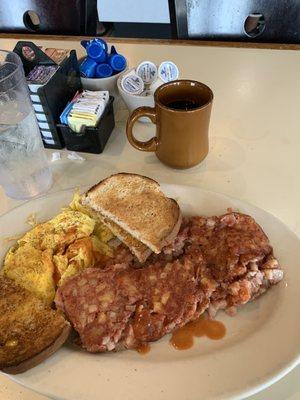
168 71
132 84
147 71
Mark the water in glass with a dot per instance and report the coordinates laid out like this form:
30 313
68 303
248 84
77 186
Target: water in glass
24 170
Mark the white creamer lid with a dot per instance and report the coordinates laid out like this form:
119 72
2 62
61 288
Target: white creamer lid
168 71
147 70
132 84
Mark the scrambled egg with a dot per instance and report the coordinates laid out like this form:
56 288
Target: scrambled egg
53 251
100 230
60 231
32 269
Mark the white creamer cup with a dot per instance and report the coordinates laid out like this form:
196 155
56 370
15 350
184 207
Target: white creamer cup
147 70
131 83
156 84
168 71
133 101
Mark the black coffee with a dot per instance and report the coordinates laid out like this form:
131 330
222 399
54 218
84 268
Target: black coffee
183 104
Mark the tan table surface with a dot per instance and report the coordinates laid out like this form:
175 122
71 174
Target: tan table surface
254 144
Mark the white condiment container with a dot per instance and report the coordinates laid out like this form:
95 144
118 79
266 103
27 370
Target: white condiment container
168 71
132 84
156 84
109 83
147 70
133 101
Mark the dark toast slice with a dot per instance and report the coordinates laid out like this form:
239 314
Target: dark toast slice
137 205
30 331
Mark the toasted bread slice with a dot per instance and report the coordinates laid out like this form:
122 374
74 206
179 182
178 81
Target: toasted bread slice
137 204
139 249
29 330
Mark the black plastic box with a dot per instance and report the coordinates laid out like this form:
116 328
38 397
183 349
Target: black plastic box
52 97
93 139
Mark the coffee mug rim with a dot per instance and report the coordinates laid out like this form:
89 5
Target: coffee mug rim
171 83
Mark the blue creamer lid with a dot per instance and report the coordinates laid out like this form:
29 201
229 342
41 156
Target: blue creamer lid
103 71
103 43
88 68
117 62
96 51
86 43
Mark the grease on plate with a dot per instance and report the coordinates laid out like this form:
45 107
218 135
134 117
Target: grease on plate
183 338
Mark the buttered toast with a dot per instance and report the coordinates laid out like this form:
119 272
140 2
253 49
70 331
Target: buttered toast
138 207
29 330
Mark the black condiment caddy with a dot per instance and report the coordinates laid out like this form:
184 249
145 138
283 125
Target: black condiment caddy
93 139
50 99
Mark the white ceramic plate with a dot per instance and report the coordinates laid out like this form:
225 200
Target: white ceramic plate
261 346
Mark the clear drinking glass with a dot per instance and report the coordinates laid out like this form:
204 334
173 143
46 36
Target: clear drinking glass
24 170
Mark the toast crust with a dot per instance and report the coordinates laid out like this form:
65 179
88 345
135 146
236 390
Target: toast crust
40 357
172 235
94 187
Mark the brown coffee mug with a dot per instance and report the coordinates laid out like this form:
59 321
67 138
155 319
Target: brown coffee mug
181 114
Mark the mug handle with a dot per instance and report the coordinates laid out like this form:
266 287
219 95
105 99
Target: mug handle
151 144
